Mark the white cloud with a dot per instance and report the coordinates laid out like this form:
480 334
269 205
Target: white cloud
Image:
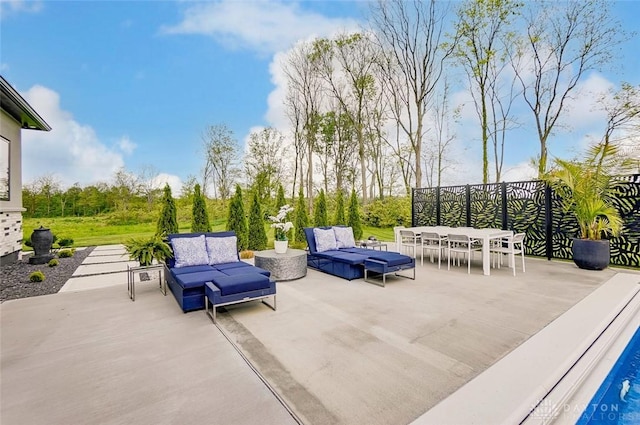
8 7
263 26
126 145
71 151
174 182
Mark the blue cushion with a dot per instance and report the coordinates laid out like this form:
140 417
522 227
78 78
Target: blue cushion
311 238
234 265
244 270
391 258
343 257
241 283
193 280
191 269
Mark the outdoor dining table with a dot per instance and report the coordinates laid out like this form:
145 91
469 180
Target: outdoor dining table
483 235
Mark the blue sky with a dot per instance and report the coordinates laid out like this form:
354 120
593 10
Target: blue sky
135 83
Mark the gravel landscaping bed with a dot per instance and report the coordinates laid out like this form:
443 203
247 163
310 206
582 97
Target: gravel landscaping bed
14 278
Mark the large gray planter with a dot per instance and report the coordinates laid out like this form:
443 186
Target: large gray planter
590 254
41 239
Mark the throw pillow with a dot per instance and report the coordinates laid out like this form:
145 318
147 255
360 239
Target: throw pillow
325 239
344 237
190 251
222 250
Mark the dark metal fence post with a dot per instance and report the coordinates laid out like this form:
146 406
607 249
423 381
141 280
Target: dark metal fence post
468 198
438 212
548 221
413 207
505 216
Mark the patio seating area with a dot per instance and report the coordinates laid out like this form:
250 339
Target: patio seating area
335 351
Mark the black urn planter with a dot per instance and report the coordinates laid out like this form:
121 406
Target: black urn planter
591 254
41 240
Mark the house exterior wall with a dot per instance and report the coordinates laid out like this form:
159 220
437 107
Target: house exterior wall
11 210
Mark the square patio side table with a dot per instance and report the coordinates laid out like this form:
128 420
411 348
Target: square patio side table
138 270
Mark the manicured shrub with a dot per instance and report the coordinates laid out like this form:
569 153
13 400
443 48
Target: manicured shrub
65 253
53 262
199 216
354 216
65 242
257 233
168 220
246 254
236 219
36 276
320 210
388 212
339 214
301 219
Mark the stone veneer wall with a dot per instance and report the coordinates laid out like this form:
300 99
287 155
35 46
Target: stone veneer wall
11 236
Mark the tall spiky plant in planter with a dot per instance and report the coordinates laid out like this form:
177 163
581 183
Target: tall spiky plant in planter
585 188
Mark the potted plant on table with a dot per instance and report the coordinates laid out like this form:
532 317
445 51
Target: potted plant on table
281 227
585 188
146 250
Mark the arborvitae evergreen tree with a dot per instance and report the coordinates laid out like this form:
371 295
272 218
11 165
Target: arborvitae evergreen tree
237 221
302 218
257 234
280 200
339 216
168 221
354 216
199 216
320 211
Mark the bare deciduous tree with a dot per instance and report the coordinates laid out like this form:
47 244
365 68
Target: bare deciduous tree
221 157
411 33
564 41
483 31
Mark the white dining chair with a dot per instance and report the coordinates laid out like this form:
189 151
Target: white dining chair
462 245
432 242
409 239
510 246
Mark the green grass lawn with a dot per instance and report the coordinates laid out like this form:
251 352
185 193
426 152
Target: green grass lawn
90 231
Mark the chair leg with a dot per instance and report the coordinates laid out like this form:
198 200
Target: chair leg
522 253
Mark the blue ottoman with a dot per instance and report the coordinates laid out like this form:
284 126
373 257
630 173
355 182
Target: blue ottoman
386 263
226 290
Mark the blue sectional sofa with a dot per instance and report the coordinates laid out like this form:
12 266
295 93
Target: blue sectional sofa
230 280
350 262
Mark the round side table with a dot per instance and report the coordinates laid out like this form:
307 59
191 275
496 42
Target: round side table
288 266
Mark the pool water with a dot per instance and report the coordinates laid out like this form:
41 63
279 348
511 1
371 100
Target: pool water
617 401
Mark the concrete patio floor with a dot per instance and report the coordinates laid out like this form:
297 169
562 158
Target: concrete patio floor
336 352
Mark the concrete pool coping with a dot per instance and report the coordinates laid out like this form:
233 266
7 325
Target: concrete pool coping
551 377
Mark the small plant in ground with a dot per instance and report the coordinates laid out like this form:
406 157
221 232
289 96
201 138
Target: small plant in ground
246 254
65 242
65 253
53 262
36 276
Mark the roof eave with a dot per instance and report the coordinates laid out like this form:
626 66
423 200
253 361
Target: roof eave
15 105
